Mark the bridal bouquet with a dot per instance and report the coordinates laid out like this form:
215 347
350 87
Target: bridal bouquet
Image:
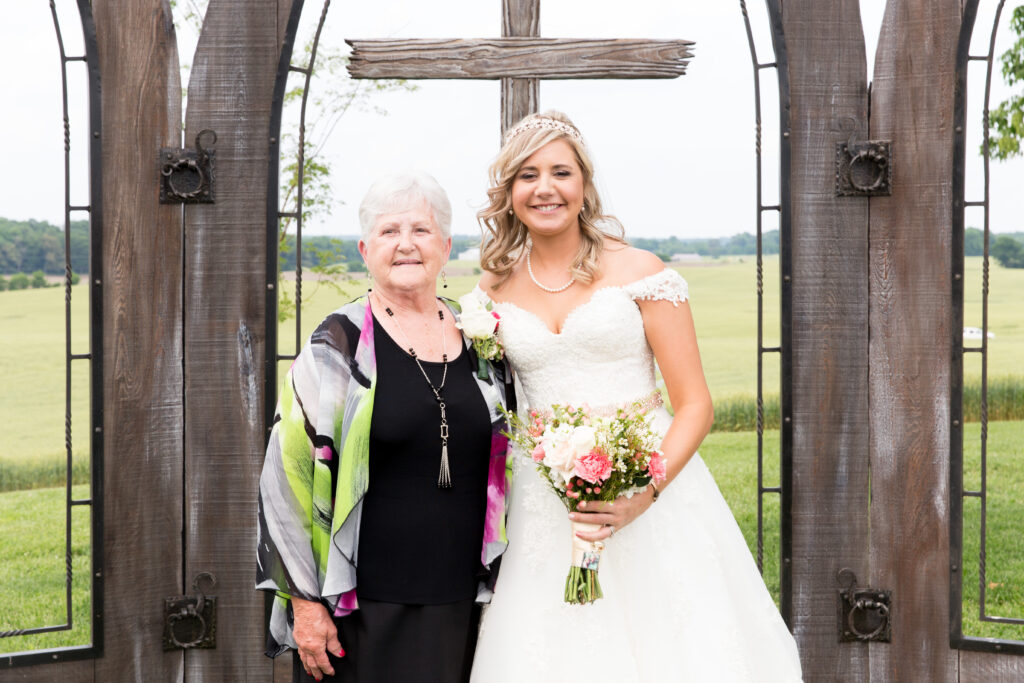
589 457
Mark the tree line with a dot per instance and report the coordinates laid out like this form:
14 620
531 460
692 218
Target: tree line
319 251
37 246
30 246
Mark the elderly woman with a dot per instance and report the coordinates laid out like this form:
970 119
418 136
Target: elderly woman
382 498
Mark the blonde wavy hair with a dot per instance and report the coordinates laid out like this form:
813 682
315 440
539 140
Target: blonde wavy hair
505 236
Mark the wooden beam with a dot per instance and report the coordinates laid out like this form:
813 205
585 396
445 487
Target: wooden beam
990 666
493 58
828 103
66 672
520 97
910 320
143 413
230 91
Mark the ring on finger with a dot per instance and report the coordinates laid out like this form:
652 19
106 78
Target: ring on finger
611 529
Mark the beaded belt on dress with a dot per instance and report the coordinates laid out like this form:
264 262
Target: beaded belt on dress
641 405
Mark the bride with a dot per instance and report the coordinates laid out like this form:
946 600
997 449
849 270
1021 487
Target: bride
584 317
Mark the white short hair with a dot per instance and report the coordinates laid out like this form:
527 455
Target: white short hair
397 192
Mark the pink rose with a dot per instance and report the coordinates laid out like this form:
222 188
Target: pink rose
538 453
656 467
593 466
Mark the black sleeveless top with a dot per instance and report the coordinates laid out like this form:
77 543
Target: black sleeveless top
419 544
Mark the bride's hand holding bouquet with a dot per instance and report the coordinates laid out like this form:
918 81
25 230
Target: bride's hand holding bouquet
602 467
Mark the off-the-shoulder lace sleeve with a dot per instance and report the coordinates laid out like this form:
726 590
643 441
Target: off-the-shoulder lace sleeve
665 285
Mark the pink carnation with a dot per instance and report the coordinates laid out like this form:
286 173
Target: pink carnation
657 466
538 453
593 466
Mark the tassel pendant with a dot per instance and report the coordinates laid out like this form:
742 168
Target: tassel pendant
444 478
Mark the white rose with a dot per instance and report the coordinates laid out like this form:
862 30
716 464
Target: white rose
475 320
471 302
583 440
559 454
477 323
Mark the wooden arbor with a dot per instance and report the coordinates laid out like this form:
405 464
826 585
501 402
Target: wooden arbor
869 329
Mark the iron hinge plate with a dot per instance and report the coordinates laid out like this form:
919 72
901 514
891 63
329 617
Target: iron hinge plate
864 169
864 613
186 175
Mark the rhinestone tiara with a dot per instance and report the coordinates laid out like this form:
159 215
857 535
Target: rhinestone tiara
544 122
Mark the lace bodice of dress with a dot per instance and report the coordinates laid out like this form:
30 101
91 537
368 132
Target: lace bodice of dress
601 357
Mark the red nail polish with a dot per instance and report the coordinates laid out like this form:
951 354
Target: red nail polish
341 652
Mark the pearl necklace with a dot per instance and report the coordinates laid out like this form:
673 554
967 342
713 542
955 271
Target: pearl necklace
555 290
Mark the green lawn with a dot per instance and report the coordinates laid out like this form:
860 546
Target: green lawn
32 545
32 401
732 459
724 306
32 570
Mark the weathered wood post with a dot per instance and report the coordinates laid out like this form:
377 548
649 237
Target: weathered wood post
142 361
230 92
828 104
910 317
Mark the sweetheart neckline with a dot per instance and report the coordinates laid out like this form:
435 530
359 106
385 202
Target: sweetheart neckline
574 309
570 314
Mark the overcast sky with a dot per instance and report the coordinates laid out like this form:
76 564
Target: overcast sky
674 157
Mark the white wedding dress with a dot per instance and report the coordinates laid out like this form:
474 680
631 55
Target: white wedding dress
683 600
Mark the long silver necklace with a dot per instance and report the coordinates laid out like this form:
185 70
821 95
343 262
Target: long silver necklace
444 477
552 290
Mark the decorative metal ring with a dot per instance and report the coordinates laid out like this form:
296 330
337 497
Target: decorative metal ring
186 613
170 170
868 156
863 605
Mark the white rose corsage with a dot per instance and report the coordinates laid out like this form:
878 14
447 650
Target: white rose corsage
480 324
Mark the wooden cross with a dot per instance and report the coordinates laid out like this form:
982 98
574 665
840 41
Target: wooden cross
520 58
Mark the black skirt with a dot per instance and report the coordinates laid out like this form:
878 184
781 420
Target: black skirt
392 643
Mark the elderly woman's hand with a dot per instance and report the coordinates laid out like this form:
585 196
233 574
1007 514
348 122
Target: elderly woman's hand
315 634
612 516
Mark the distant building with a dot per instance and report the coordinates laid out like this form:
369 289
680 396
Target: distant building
470 254
685 257
975 333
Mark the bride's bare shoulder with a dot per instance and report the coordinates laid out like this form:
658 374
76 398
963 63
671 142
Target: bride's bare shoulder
627 264
488 282
497 288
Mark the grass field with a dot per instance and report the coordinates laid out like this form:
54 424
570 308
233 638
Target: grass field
32 450
32 401
724 304
32 541
32 576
